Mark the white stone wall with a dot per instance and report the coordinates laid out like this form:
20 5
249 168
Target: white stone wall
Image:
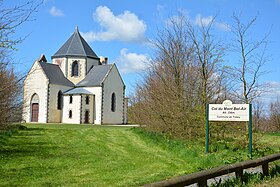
97 96
100 100
35 82
125 120
55 115
75 106
113 84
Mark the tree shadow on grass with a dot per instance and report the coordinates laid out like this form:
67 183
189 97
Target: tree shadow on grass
31 132
22 144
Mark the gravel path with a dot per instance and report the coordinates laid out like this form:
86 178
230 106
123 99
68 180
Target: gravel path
229 176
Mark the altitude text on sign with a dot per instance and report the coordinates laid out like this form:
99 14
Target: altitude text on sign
228 112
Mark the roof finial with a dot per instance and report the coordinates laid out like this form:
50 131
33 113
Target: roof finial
42 58
76 29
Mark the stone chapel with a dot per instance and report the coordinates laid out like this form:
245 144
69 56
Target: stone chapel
77 87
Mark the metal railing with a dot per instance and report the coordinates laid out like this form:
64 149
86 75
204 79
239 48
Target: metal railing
201 177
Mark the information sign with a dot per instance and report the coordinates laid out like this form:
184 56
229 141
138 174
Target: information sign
228 112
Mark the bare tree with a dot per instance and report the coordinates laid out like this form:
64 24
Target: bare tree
258 114
209 52
10 88
9 96
275 114
11 18
252 58
170 99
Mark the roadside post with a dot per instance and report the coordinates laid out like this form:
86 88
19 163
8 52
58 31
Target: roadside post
207 128
250 131
229 112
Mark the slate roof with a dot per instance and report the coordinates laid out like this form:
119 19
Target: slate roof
77 91
55 75
95 76
75 46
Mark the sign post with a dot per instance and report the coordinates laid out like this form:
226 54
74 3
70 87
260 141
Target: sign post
250 131
229 112
207 128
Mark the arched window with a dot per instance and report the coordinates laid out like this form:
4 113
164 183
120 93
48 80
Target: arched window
71 99
87 99
113 102
86 116
70 113
59 100
75 69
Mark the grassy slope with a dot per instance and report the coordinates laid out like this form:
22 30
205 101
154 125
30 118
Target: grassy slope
72 155
268 183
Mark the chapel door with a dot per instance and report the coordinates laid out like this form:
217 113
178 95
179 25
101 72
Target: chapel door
35 112
87 116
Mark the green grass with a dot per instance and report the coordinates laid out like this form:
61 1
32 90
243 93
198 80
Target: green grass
270 182
83 155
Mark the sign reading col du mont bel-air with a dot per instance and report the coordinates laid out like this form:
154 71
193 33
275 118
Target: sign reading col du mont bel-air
228 112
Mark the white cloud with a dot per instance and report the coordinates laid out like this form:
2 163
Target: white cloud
199 20
177 19
126 27
132 62
272 92
222 26
56 12
160 8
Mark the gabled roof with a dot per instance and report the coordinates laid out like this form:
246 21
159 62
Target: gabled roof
75 46
77 91
54 74
95 76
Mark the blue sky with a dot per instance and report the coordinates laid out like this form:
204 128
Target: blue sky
119 29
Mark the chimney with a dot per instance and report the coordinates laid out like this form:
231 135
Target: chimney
103 60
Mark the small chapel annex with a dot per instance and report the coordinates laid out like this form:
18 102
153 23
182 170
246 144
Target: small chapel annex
76 87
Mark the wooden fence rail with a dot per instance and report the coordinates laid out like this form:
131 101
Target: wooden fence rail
201 177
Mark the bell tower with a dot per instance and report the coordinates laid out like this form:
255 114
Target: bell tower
75 58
